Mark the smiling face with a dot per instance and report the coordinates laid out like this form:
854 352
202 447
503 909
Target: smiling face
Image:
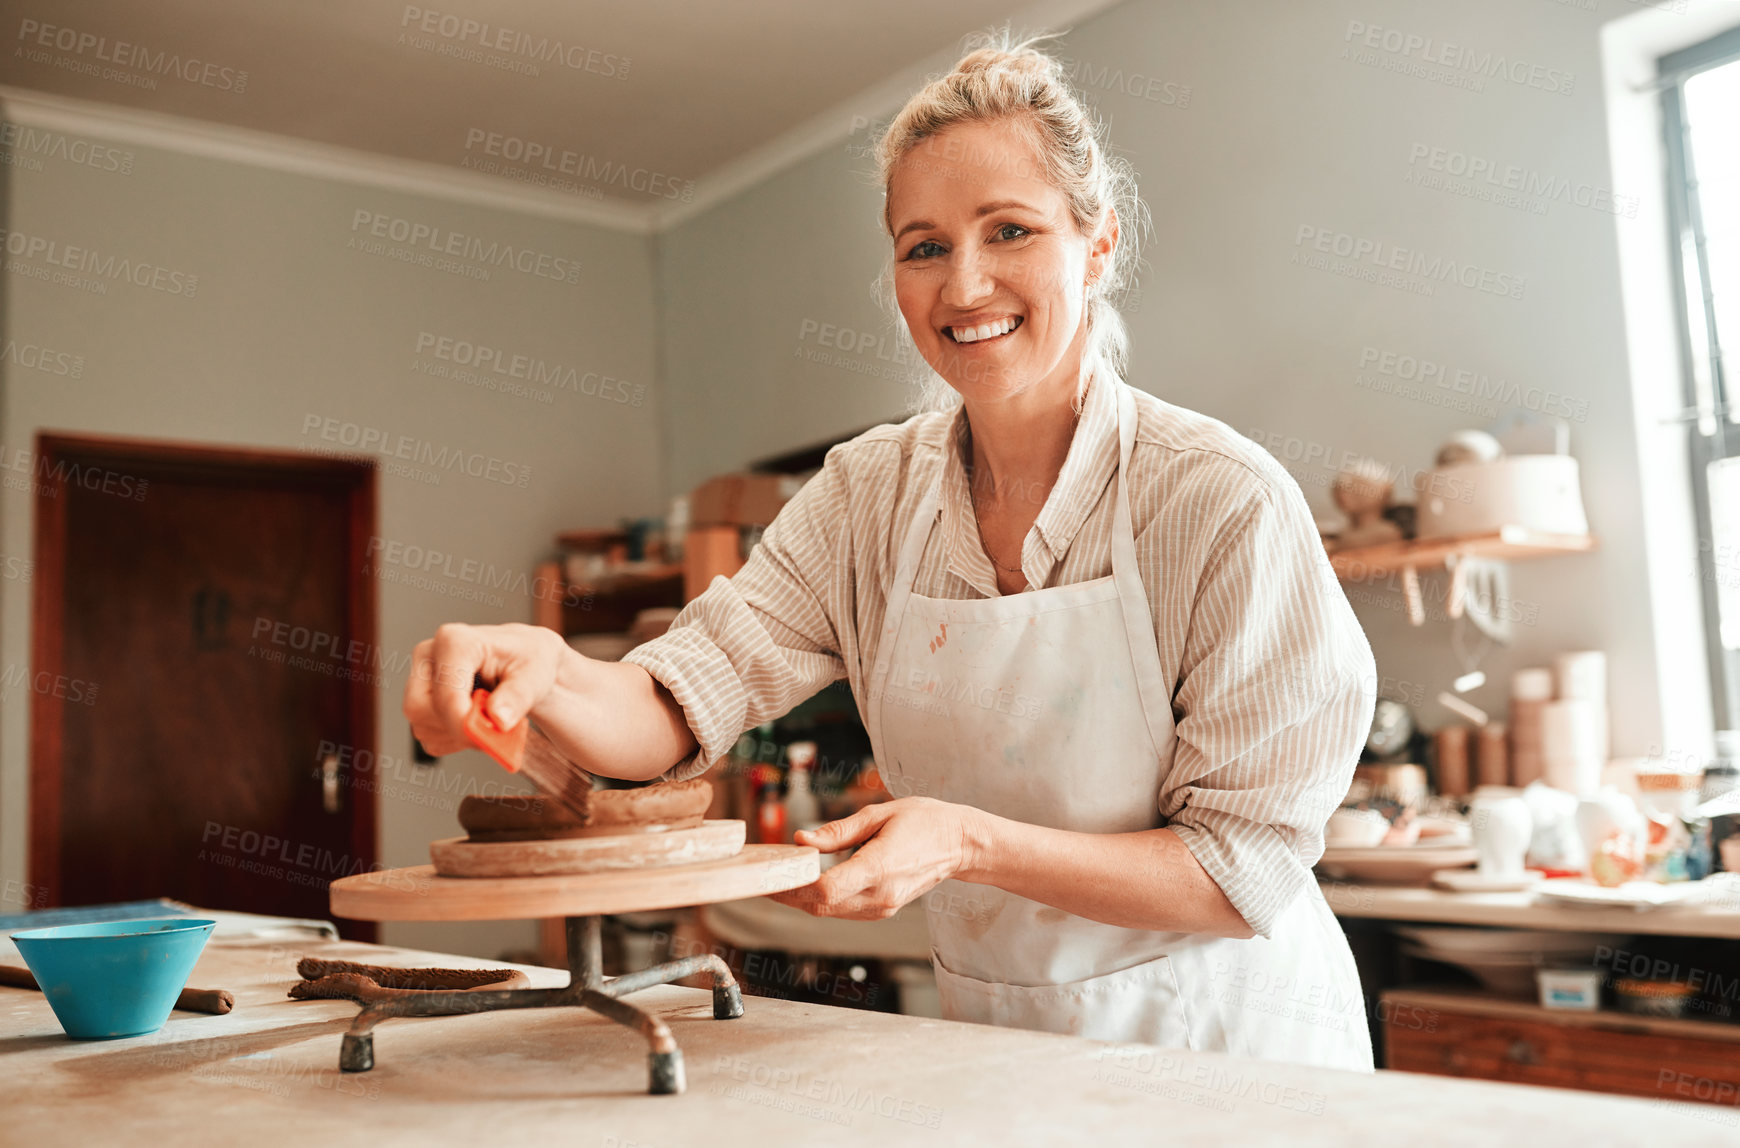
990 269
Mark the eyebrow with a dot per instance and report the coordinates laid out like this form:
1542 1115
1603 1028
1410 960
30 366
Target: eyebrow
983 210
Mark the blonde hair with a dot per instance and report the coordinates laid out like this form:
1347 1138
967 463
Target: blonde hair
1003 79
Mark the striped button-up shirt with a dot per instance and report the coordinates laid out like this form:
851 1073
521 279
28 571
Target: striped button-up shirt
1273 681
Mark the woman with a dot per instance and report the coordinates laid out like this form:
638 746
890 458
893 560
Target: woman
1094 638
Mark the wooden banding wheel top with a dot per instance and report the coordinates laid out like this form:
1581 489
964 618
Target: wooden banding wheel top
655 826
421 894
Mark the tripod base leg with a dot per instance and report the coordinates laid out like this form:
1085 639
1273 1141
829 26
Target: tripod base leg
357 1054
727 1002
665 1073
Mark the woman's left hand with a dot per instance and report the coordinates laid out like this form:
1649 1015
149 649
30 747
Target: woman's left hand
910 845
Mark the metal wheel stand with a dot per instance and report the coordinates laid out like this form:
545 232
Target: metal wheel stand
586 988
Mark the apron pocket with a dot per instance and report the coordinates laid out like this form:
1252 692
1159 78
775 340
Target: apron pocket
1138 1005
1294 997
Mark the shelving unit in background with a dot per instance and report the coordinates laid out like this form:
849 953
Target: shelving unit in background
607 604
1407 558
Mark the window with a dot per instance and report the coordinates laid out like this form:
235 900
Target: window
1701 118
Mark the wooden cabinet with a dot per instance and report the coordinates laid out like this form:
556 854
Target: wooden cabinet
1453 1034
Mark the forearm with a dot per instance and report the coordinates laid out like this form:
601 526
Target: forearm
613 719
1143 880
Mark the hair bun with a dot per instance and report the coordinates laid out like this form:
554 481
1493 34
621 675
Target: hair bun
1016 60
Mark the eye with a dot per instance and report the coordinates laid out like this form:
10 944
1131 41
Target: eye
929 249
1009 231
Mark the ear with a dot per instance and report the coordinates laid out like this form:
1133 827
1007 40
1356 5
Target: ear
1102 246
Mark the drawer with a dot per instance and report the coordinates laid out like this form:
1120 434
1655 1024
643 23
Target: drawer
1449 1035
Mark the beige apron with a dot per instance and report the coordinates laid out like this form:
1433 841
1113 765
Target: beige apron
1051 707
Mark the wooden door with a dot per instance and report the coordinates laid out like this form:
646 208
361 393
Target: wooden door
202 644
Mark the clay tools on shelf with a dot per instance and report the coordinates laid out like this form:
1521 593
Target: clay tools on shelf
567 784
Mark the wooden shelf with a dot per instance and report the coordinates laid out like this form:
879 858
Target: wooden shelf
609 603
612 581
1507 544
1714 918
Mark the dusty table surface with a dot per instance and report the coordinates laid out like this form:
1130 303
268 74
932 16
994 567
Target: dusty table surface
784 1074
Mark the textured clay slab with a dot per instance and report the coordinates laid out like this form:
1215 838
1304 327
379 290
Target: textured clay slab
711 841
667 805
419 894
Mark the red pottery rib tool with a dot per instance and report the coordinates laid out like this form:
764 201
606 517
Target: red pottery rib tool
507 746
568 786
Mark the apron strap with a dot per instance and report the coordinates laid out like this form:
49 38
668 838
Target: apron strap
906 570
894 605
1151 686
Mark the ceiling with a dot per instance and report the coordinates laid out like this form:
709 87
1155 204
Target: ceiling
624 102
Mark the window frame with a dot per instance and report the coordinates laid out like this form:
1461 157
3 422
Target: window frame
1713 419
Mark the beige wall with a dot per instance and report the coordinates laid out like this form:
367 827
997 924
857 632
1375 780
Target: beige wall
289 321
1279 131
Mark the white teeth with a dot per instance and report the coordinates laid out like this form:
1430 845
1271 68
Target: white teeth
983 331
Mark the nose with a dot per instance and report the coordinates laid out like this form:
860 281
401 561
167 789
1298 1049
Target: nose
969 280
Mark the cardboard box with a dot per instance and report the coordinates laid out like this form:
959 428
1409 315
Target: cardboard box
709 552
741 499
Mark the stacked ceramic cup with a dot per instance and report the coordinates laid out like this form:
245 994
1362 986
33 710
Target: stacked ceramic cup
1531 691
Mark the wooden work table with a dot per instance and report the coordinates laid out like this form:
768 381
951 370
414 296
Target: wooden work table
784 1074
1708 917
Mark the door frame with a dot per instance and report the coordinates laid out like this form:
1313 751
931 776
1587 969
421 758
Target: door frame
57 454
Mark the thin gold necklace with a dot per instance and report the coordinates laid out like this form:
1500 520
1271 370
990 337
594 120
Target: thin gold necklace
987 549
986 546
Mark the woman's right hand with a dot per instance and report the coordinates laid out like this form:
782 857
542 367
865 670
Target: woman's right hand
518 662
609 718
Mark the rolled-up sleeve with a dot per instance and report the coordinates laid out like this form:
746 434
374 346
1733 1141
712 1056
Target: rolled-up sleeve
1274 698
753 646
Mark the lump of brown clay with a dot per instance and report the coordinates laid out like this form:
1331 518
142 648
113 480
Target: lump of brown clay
648 809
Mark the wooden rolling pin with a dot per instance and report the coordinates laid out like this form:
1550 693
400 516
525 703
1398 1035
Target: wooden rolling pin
214 1001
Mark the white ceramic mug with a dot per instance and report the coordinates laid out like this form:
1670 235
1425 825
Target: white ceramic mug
1606 813
1502 826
